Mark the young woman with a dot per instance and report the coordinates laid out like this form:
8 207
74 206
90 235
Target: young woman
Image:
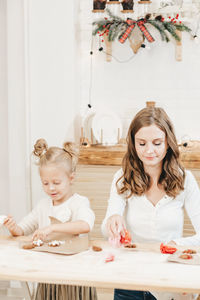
149 194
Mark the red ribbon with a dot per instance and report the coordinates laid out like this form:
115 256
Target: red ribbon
140 23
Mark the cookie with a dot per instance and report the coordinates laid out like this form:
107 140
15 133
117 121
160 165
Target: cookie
130 246
28 246
96 248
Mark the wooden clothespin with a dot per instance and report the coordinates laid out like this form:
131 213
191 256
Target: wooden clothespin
178 47
108 49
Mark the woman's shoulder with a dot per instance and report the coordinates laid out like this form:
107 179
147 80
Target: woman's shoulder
189 178
118 174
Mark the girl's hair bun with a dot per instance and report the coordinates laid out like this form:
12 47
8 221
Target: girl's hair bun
40 147
71 148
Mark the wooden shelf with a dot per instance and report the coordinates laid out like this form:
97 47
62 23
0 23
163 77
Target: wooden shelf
113 2
102 155
190 159
112 155
144 2
98 10
125 11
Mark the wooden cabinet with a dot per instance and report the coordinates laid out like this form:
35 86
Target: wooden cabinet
94 182
95 173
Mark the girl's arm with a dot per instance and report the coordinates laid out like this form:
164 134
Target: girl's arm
12 226
75 227
192 206
30 222
82 221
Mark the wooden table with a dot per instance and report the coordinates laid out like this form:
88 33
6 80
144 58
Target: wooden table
144 269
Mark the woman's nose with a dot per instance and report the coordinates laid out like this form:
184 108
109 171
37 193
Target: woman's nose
149 148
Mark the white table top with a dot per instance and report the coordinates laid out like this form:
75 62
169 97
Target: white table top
144 269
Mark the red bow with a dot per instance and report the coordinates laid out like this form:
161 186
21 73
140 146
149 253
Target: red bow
140 23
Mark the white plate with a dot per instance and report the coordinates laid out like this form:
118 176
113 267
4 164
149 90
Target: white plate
87 126
107 128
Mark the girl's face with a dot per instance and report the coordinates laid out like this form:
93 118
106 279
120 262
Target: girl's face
151 145
56 183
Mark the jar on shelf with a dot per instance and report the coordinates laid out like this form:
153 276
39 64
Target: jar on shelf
99 5
150 104
127 5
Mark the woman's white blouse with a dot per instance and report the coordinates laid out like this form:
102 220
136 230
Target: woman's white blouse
162 222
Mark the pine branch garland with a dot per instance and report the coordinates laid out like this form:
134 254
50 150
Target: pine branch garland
159 26
182 27
115 27
169 26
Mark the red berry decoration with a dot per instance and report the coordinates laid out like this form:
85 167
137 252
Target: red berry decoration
126 239
167 249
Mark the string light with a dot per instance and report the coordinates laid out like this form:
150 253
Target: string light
195 37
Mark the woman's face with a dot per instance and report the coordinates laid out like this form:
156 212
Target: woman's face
151 145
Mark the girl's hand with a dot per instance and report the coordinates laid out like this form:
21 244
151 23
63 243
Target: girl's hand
42 234
116 226
12 226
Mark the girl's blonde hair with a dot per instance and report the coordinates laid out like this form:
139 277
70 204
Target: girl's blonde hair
68 155
134 179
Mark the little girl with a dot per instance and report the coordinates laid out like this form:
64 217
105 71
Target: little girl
57 169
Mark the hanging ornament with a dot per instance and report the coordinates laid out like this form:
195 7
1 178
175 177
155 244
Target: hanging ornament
136 39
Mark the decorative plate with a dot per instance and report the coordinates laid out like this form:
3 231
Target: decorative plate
107 128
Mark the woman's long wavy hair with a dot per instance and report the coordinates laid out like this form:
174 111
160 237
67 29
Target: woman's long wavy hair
134 180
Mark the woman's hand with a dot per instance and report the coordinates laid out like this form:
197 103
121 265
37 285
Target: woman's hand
115 226
42 234
12 226
171 243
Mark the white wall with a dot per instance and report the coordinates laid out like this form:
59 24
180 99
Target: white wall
39 66
152 75
4 186
45 63
54 76
17 110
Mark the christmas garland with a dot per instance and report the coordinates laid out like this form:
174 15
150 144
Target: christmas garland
116 27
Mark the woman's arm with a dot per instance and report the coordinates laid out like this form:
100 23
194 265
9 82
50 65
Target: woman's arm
113 223
192 206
